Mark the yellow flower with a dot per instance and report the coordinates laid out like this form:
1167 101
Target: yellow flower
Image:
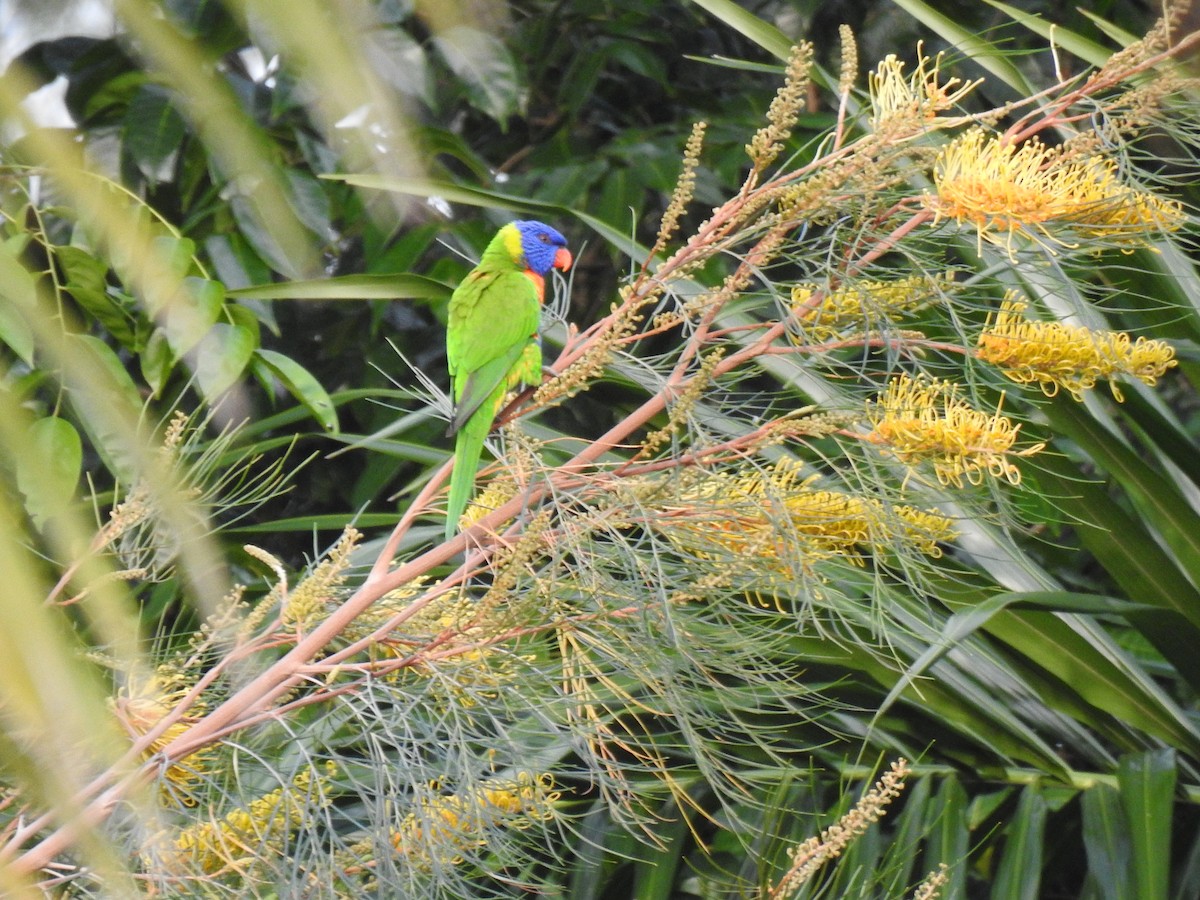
442 827
775 516
1005 190
242 836
924 419
1053 355
139 708
913 100
854 305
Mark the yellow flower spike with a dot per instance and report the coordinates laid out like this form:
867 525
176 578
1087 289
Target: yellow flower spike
1056 356
854 305
924 420
777 518
1005 191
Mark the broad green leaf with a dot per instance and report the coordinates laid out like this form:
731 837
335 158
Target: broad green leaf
484 62
152 132
156 361
48 469
86 278
301 384
191 313
221 357
18 297
350 287
116 377
1147 783
744 22
111 400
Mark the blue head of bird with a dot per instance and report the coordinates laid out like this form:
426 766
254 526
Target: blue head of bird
541 247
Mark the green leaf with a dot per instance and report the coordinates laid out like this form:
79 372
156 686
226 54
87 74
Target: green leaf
1018 877
1159 499
221 357
111 401
86 278
1089 51
744 22
350 287
1147 783
153 131
457 193
950 840
301 384
48 471
18 291
482 60
970 44
156 361
1107 843
192 312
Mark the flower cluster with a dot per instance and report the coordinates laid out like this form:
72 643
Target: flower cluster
1073 358
140 708
442 827
851 306
925 420
1006 190
776 516
238 839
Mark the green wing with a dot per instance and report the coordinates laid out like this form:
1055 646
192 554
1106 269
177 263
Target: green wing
493 320
491 344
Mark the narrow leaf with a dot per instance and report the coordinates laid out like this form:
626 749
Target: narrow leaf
1147 783
746 23
349 287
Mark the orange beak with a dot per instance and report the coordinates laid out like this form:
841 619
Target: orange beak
563 259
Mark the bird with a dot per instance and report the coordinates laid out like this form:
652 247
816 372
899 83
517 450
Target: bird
492 340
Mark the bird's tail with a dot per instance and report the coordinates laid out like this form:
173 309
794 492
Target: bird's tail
468 447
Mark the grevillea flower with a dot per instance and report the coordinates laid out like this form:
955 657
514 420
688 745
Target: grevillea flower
442 827
854 305
914 99
244 835
140 708
1053 355
775 516
1005 190
924 420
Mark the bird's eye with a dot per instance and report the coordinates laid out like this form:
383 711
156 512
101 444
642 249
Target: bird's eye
543 237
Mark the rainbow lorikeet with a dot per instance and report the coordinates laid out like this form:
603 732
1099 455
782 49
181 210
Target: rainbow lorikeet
492 341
